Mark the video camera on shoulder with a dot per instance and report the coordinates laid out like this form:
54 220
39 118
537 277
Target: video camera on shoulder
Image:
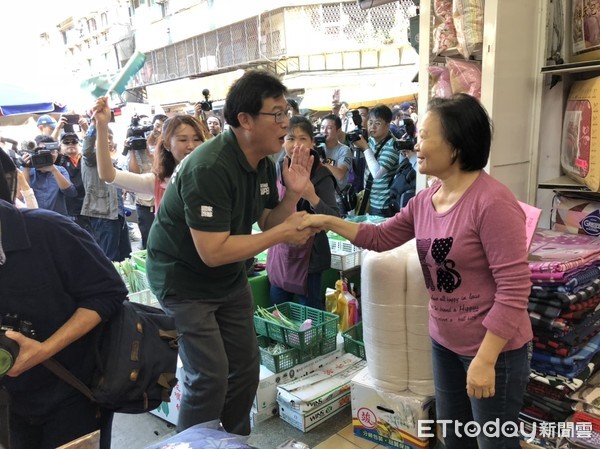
136 135
9 349
41 156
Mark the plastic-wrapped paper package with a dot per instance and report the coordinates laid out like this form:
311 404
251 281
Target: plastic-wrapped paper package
395 320
465 77
444 34
580 151
440 77
468 21
576 215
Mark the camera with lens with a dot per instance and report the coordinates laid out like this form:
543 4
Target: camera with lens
357 133
29 146
319 139
406 143
42 156
136 135
9 349
206 104
408 139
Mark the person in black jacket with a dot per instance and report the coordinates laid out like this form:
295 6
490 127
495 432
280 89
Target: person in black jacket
296 270
55 276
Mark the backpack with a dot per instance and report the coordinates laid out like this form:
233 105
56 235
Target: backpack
136 354
403 186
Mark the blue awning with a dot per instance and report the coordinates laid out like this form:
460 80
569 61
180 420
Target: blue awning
15 100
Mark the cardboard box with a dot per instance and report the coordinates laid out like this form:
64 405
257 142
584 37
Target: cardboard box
266 393
258 417
265 401
389 419
308 421
307 393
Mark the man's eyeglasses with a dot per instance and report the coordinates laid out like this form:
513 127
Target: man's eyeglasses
376 124
279 116
70 142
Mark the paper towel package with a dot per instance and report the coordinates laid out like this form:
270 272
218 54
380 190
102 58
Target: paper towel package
386 417
396 320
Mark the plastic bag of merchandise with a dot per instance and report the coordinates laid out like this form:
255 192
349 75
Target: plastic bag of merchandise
343 303
202 437
468 21
444 34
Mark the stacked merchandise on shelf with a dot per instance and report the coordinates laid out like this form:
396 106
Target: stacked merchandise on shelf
565 314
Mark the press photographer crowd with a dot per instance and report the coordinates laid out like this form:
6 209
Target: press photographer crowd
75 196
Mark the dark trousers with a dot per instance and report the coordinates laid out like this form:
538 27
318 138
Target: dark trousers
145 218
219 351
67 422
112 236
453 403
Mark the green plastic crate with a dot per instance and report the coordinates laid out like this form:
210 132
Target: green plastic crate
324 327
353 341
276 362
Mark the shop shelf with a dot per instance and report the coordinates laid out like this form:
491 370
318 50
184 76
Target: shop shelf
324 327
353 341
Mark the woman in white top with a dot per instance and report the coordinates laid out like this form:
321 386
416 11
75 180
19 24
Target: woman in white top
180 136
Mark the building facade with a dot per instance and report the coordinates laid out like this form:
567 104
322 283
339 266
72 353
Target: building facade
191 45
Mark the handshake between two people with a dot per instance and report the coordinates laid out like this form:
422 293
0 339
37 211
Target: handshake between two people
301 226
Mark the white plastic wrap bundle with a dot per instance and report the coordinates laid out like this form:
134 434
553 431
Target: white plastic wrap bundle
395 320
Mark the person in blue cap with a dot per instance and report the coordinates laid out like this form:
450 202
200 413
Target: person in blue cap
46 124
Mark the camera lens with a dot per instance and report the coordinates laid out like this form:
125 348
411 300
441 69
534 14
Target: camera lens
9 350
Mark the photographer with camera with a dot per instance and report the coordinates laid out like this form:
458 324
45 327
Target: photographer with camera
70 158
51 183
382 162
404 184
55 282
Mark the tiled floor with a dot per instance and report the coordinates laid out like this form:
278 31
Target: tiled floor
345 439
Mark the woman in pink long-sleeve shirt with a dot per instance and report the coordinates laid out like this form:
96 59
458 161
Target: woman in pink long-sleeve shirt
470 233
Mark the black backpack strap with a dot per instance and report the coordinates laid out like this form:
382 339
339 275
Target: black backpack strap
63 373
4 418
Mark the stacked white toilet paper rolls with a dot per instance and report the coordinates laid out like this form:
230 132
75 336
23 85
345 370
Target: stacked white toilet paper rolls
395 320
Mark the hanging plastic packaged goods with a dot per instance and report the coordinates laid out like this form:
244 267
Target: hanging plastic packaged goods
341 302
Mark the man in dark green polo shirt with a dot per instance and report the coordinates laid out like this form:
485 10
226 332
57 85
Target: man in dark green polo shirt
202 236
